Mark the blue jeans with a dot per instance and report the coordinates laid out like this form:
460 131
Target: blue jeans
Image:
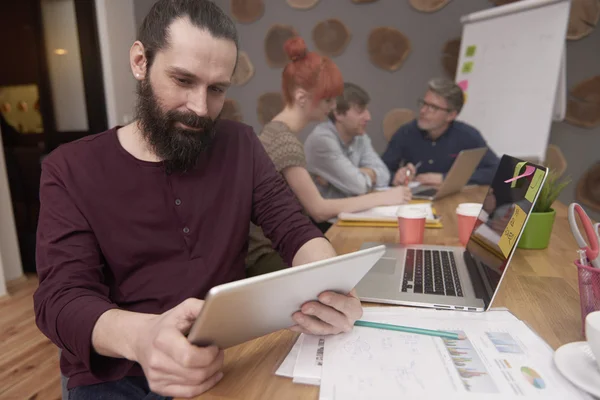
128 388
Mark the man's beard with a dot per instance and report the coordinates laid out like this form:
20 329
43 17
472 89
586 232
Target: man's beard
178 147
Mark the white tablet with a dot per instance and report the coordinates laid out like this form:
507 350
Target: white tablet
243 310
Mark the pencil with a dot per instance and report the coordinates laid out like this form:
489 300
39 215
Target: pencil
408 329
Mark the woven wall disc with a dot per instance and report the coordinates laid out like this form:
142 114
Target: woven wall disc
302 4
450 55
394 119
331 37
388 48
269 105
583 18
583 106
428 6
588 187
274 41
244 70
247 11
231 110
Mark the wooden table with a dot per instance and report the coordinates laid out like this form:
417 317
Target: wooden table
540 287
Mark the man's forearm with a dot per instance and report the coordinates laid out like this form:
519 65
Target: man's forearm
115 333
314 250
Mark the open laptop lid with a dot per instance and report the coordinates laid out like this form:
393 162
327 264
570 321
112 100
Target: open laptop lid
457 177
506 209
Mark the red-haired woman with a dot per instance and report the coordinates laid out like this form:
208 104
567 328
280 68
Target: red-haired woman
310 85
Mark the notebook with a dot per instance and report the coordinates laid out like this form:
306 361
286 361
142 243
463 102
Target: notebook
385 216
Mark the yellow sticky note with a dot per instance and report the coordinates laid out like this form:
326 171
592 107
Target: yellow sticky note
467 67
471 50
534 185
511 232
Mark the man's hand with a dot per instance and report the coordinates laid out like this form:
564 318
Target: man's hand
333 313
404 175
430 179
370 173
173 366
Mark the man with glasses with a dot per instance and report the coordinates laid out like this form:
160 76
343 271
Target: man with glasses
434 139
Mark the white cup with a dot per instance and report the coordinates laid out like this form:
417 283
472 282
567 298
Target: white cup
469 209
592 333
411 224
411 212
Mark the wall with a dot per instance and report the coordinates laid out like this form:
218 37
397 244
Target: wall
116 31
428 33
66 75
10 259
581 146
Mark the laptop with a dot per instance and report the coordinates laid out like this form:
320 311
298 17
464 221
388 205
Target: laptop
460 278
458 176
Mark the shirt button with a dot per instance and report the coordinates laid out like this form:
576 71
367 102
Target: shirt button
177 202
186 230
430 161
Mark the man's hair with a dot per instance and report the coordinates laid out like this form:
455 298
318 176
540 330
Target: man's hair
353 95
449 91
204 14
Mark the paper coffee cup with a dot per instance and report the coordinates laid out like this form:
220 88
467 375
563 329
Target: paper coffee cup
466 218
411 224
469 209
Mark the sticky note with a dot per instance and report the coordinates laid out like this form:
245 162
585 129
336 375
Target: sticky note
471 50
528 171
511 232
467 67
534 185
465 97
464 85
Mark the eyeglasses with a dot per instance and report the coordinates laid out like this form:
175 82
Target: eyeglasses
422 103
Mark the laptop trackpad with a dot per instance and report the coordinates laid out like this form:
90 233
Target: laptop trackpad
385 266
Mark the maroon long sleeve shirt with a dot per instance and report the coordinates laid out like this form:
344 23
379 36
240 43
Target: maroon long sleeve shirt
118 232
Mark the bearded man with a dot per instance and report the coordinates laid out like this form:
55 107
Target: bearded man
137 223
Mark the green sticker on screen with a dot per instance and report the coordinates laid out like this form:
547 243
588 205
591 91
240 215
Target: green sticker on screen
534 185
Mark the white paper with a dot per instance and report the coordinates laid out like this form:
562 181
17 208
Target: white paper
501 358
287 366
411 185
310 360
385 213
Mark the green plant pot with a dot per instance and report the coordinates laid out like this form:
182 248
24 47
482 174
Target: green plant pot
538 230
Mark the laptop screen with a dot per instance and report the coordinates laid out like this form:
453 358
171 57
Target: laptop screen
502 218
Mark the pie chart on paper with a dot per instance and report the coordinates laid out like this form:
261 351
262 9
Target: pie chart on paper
533 378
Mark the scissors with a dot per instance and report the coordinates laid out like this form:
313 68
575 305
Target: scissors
592 231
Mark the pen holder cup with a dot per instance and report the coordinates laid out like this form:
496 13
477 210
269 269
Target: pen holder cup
589 291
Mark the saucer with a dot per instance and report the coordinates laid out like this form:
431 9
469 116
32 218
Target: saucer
577 363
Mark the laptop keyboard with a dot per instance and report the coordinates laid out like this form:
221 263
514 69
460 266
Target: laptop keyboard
431 272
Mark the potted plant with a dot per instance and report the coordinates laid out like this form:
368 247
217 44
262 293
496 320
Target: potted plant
538 230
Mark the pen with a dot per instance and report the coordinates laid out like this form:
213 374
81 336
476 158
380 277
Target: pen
408 329
583 258
408 173
587 293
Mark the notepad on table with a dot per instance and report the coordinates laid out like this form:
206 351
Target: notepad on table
385 216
